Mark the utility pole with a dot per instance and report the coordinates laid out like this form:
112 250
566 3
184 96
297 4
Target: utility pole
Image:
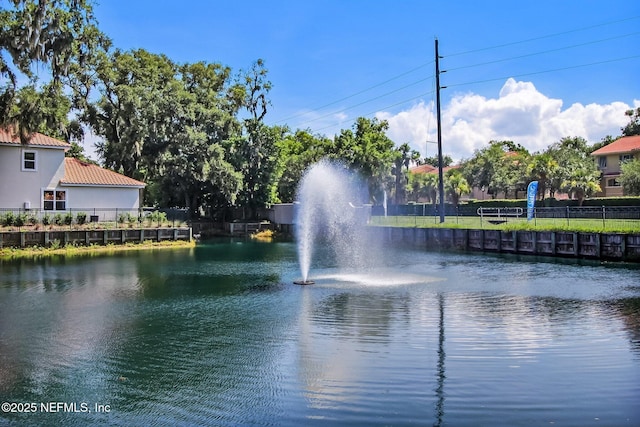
440 161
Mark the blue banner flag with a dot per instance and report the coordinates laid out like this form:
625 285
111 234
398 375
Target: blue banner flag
532 190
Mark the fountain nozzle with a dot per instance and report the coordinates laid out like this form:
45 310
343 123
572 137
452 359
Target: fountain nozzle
303 282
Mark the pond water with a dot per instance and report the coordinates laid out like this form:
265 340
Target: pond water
219 335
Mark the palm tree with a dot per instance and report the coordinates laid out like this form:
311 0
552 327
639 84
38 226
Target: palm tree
583 182
403 158
431 182
456 185
422 186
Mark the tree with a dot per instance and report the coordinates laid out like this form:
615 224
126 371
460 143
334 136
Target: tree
582 182
433 161
43 109
257 153
542 168
55 36
630 177
169 125
423 186
139 100
367 150
510 173
577 172
403 158
197 176
75 136
259 166
501 166
455 185
297 152
206 119
633 128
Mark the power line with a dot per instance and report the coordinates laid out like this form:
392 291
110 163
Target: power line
378 109
359 93
368 100
543 71
542 52
543 37
469 66
470 83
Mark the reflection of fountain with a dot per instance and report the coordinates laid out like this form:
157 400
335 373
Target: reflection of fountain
330 212
384 203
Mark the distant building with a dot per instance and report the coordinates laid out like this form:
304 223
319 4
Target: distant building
610 157
38 177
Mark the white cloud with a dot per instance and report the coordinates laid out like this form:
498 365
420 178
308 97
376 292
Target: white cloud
520 113
415 126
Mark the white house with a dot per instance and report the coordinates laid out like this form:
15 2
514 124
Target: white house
38 177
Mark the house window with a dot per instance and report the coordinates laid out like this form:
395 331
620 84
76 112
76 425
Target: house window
602 162
613 182
55 200
625 157
29 161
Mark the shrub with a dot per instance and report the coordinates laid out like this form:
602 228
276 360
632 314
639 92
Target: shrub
81 218
58 220
612 201
127 217
20 220
46 219
157 216
32 220
68 218
8 219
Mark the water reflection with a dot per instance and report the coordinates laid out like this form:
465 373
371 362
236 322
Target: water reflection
441 374
219 336
628 310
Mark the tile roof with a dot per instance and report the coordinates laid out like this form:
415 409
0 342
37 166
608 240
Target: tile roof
81 173
8 136
431 169
424 169
626 144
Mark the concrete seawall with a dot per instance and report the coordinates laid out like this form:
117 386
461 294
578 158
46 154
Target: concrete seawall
22 239
605 246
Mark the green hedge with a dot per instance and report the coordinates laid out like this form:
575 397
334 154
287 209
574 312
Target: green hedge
612 201
496 203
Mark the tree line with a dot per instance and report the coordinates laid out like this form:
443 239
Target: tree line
196 132
506 168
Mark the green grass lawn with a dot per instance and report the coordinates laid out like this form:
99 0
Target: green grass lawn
512 223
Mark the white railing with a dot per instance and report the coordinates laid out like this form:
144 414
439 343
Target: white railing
499 215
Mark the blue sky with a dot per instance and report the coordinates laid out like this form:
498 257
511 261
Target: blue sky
514 70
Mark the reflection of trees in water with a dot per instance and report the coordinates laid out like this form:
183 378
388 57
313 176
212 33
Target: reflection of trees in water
363 316
335 331
629 311
367 318
533 316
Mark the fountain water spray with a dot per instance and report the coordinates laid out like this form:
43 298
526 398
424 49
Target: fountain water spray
330 211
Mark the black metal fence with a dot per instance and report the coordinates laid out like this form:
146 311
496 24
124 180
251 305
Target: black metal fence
118 217
630 212
606 217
